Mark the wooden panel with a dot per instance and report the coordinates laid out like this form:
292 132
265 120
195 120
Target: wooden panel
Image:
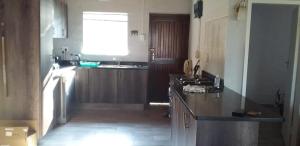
178 123
186 131
1 53
174 120
22 43
82 85
227 133
132 86
181 123
103 85
191 133
169 36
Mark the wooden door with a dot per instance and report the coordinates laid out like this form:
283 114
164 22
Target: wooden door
20 45
169 37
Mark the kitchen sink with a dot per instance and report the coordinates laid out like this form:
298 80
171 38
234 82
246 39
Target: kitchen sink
117 66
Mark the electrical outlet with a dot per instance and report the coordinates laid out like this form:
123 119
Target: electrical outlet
142 37
66 49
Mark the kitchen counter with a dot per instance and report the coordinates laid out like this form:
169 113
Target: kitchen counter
219 106
112 85
113 65
143 67
135 67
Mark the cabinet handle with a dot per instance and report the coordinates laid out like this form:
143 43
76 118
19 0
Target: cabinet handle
186 124
5 88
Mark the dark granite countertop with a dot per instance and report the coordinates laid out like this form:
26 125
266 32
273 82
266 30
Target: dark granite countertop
113 66
219 106
123 67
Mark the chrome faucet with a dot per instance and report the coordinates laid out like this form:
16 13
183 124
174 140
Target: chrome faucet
117 60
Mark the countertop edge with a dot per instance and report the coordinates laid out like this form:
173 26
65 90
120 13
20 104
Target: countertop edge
249 119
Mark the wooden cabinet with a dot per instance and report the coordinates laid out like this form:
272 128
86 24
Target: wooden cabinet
183 125
174 121
103 85
20 83
82 85
60 19
19 59
131 86
186 131
122 86
191 130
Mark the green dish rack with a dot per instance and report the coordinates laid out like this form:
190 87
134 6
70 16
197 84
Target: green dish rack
92 64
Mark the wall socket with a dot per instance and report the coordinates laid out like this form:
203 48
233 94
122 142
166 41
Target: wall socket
66 49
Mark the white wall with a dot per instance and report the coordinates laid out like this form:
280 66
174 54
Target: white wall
235 48
209 34
47 17
232 30
194 43
138 11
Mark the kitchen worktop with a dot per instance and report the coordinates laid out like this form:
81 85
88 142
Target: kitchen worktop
123 67
116 65
220 105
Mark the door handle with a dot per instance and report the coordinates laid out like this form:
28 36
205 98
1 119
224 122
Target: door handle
5 88
152 51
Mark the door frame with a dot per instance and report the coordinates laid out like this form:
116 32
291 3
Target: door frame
288 136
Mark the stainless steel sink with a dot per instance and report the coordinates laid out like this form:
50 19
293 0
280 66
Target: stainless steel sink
117 66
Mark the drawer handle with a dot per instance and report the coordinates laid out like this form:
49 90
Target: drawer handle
186 124
5 88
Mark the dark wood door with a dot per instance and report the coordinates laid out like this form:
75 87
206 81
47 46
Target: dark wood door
169 37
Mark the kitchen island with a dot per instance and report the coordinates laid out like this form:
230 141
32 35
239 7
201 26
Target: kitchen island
210 119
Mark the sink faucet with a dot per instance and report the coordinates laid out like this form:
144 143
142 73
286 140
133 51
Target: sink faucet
117 60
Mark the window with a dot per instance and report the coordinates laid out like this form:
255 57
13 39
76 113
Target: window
105 33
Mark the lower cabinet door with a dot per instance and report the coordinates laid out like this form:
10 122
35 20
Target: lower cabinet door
181 128
103 85
82 85
191 131
132 86
184 126
174 121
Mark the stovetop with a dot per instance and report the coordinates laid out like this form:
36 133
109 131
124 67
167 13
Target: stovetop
194 81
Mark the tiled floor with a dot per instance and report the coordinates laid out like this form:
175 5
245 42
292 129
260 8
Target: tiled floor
130 128
112 128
